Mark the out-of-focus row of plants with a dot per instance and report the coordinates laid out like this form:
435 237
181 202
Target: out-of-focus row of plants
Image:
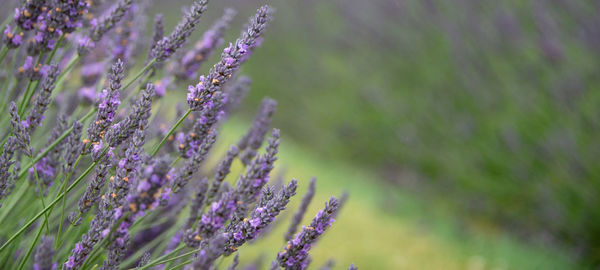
490 107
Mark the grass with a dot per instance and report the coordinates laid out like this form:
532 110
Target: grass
374 233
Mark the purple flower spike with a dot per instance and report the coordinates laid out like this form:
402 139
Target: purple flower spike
107 105
20 130
257 175
168 45
8 177
295 254
35 116
261 217
108 22
44 253
297 218
231 59
185 173
213 37
255 136
137 119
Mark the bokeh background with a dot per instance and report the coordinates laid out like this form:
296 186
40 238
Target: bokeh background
465 131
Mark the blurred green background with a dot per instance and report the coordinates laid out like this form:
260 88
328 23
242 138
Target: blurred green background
465 130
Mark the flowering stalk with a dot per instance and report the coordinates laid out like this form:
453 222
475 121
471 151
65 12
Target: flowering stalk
297 218
231 59
168 45
295 254
213 37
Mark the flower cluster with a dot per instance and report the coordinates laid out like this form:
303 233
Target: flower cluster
231 59
107 199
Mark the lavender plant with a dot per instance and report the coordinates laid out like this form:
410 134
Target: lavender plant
110 192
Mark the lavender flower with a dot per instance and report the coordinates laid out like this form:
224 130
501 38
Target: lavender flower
6 161
231 58
26 15
44 252
297 218
146 195
212 38
168 45
328 265
138 118
235 262
253 139
34 119
208 255
212 221
98 230
197 202
223 170
84 44
184 174
236 93
267 209
31 70
109 209
107 22
73 147
159 30
92 192
20 131
11 38
210 115
47 168
126 169
295 254
157 36
108 104
256 176
150 189
352 267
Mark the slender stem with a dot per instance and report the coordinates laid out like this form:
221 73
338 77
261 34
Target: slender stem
66 71
139 74
54 202
18 195
161 259
39 187
159 145
37 236
24 100
181 264
62 214
53 52
31 86
3 53
56 142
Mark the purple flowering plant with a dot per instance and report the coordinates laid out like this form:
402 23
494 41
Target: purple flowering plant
111 182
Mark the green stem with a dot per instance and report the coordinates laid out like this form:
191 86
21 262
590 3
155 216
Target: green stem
64 202
66 71
56 142
31 86
139 74
54 202
3 53
37 236
53 52
161 259
39 187
181 265
159 145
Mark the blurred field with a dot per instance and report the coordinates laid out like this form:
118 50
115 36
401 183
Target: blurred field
376 234
456 125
